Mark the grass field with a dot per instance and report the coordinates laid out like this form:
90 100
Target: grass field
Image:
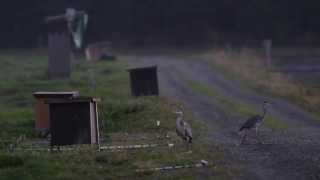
247 66
125 120
228 103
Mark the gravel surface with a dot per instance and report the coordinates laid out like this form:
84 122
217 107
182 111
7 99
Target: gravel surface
292 153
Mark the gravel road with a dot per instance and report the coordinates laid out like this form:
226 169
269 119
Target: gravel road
291 153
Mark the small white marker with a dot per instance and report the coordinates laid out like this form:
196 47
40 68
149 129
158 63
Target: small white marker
204 162
170 145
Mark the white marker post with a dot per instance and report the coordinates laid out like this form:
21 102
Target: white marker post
267 45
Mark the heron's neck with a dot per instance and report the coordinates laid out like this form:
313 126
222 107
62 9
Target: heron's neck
264 112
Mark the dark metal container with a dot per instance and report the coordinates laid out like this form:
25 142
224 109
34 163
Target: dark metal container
74 121
144 81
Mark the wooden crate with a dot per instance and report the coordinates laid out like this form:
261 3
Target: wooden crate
41 109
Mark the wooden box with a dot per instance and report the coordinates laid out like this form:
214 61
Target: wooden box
74 121
42 122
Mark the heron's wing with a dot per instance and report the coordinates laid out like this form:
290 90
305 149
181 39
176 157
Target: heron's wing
187 126
188 131
251 122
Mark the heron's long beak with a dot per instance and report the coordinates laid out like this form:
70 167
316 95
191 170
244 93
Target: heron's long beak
178 112
268 103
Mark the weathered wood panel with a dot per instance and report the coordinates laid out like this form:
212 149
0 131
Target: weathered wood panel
59 48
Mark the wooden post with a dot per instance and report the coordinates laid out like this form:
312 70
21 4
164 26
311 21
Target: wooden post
62 24
267 45
59 55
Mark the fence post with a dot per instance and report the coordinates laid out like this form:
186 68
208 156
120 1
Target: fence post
59 55
267 46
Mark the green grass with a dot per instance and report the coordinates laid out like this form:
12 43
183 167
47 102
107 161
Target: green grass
230 104
24 72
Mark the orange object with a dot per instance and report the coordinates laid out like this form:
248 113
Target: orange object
42 122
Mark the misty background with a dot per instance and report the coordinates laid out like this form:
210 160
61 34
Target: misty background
167 21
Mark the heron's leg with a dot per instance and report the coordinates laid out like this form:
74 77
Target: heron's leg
243 137
257 135
188 146
187 143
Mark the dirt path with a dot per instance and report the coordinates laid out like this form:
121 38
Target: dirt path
292 153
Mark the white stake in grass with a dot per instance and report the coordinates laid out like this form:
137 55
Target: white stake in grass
203 163
139 146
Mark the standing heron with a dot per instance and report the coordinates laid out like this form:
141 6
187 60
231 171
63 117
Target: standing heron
254 122
183 129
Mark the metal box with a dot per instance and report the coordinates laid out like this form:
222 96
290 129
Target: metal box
74 121
42 109
144 81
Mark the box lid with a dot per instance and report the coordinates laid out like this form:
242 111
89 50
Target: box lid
73 100
46 94
141 68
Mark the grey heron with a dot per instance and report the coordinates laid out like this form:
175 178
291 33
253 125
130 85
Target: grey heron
254 122
183 129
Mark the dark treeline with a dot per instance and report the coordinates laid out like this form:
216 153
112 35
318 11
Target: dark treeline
175 20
